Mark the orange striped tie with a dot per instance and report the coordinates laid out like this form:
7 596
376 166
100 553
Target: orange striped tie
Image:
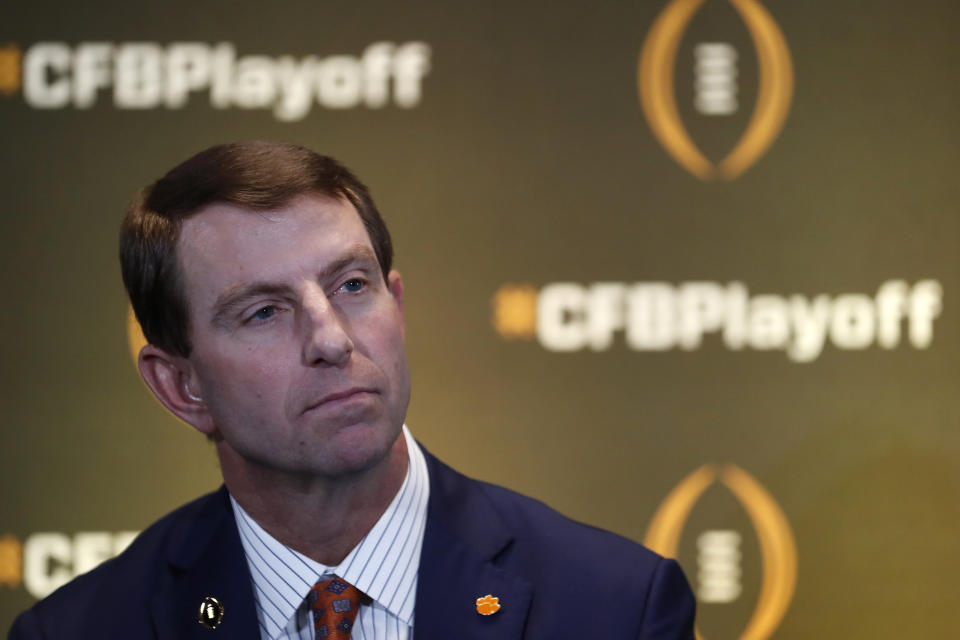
335 603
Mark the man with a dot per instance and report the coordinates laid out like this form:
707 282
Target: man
261 276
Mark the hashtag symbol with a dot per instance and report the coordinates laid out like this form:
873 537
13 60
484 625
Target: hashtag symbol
515 311
9 69
11 561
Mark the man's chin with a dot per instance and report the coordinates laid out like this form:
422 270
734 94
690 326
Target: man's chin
344 452
357 448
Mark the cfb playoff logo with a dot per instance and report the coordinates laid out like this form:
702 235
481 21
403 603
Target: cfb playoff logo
648 317
150 75
716 77
45 561
718 576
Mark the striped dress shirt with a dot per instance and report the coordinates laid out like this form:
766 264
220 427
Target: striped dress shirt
383 565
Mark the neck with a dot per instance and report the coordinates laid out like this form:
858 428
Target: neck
322 518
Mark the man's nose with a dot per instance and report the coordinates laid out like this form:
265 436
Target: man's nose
327 340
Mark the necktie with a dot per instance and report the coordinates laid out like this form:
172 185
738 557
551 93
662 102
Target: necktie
335 603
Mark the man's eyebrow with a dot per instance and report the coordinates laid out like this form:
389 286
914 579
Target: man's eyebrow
358 253
236 296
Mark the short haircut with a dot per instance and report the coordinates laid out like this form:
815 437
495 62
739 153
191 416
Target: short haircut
250 175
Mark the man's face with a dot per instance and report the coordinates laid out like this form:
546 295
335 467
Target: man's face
298 344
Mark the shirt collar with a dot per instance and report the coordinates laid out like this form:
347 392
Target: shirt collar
383 565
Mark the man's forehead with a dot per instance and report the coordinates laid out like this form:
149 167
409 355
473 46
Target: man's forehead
222 223
223 238
313 204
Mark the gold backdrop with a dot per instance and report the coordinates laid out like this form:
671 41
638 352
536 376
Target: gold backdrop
682 269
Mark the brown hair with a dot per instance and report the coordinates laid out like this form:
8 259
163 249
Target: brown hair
252 175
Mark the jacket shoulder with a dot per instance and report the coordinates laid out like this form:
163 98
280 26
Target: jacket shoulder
542 540
544 533
563 559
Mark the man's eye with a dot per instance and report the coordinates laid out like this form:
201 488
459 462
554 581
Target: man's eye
264 313
353 285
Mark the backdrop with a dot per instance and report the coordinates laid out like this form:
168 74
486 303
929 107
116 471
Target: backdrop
682 269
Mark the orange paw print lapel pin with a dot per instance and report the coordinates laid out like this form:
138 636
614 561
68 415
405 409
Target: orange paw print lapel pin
488 605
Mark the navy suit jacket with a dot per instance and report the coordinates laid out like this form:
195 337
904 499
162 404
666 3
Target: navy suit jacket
555 578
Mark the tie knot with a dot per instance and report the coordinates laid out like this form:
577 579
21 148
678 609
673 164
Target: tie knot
335 603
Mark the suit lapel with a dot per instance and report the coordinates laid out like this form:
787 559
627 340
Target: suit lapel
207 559
463 537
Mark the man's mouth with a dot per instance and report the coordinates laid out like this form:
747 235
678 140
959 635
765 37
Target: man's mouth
340 397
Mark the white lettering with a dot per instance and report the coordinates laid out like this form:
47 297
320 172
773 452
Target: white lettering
809 320
91 72
411 64
221 76
925 306
853 323
560 317
146 75
657 316
605 301
891 308
296 88
138 82
46 81
377 59
700 311
46 562
254 87
338 82
50 560
650 317
90 548
769 322
188 69
735 327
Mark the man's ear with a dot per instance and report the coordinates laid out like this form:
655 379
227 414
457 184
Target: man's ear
173 380
395 285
